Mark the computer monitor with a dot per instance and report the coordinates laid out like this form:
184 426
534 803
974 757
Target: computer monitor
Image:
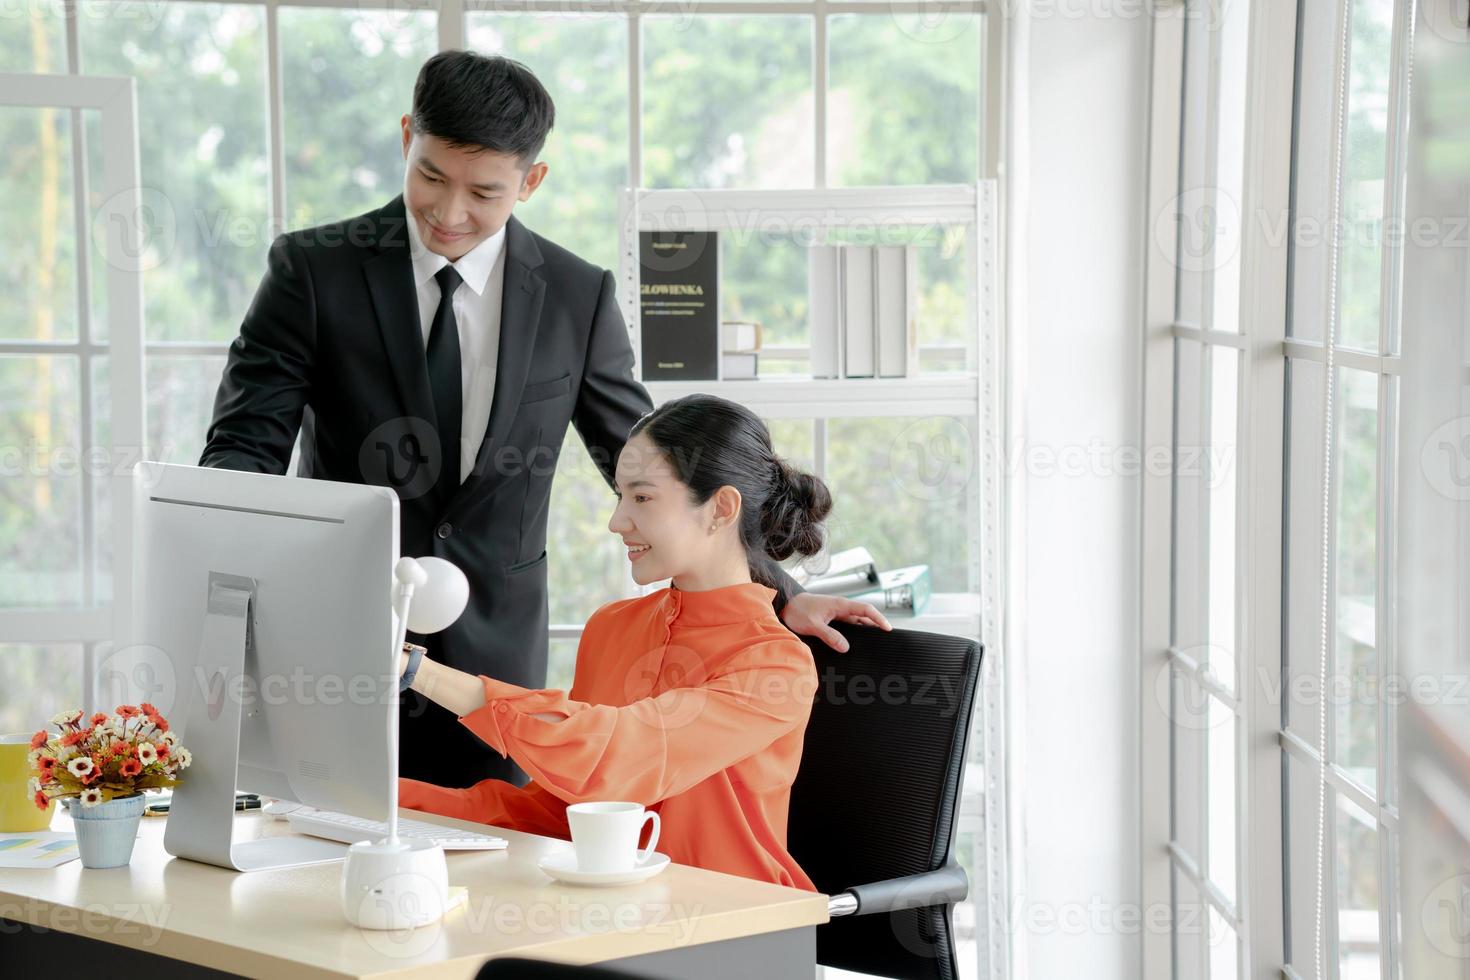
271 598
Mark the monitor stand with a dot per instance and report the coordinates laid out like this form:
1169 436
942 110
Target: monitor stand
201 820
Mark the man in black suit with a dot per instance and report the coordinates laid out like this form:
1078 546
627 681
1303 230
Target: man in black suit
437 346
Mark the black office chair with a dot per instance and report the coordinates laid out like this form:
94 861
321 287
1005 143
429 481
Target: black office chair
873 807
517 968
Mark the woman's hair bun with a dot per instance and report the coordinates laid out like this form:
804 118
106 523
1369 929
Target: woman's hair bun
791 520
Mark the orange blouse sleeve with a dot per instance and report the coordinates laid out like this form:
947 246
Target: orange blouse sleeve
658 746
490 801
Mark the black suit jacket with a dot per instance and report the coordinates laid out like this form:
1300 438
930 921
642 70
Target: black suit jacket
332 346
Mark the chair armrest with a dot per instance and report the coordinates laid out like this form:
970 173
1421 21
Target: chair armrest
946 886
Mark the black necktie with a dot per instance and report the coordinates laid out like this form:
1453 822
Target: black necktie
445 381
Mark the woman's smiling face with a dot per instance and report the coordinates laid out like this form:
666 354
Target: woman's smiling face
666 533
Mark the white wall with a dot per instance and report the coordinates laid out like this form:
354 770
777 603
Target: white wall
1076 200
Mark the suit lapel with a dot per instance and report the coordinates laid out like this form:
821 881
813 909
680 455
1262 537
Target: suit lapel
389 277
520 316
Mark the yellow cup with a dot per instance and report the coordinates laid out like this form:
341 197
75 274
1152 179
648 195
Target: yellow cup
18 812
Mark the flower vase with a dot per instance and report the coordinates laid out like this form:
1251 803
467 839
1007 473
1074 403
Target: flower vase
106 832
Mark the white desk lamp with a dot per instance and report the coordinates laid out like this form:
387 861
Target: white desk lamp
395 883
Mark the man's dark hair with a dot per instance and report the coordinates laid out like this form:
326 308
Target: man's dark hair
473 100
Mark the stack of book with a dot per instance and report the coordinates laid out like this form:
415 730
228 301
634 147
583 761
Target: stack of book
740 344
853 573
864 311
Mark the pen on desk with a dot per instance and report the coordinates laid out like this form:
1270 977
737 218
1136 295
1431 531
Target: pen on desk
245 803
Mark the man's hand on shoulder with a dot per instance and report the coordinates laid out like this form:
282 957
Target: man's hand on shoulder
808 614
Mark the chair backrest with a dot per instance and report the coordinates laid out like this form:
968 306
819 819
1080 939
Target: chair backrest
878 791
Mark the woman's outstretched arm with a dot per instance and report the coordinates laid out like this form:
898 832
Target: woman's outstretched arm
645 751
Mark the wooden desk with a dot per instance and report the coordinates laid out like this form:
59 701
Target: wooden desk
169 913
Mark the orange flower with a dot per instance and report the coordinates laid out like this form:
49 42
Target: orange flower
45 765
91 777
163 750
74 738
122 748
38 739
129 768
42 800
127 711
99 719
159 723
148 709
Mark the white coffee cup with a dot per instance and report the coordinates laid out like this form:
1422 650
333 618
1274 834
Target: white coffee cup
605 835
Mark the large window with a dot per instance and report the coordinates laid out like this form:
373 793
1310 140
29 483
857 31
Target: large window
1282 840
1340 767
260 117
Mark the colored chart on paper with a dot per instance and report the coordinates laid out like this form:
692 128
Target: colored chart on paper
45 850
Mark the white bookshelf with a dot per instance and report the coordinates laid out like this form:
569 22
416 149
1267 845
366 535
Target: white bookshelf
795 396
810 216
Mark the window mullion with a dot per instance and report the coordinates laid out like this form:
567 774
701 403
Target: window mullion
635 99
819 78
451 25
275 118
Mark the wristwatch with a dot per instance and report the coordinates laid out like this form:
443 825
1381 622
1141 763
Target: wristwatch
415 657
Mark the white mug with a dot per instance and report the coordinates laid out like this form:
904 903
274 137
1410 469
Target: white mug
605 835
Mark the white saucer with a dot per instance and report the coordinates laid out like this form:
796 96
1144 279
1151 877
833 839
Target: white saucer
563 867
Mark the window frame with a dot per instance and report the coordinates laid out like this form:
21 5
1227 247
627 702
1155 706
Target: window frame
93 624
1264 820
977 614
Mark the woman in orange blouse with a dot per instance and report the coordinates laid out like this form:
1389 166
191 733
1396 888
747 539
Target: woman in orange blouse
691 700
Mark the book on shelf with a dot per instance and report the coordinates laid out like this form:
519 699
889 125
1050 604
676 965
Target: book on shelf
901 591
863 307
857 312
739 365
740 335
896 297
679 307
824 283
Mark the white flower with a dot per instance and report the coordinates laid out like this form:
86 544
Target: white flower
147 753
183 757
33 757
169 739
91 796
66 717
65 753
33 787
116 725
81 766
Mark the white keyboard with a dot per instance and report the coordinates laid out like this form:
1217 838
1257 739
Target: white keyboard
349 830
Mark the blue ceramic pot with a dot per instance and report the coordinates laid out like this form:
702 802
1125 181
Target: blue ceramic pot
106 832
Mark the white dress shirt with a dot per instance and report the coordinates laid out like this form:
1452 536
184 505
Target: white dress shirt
477 314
